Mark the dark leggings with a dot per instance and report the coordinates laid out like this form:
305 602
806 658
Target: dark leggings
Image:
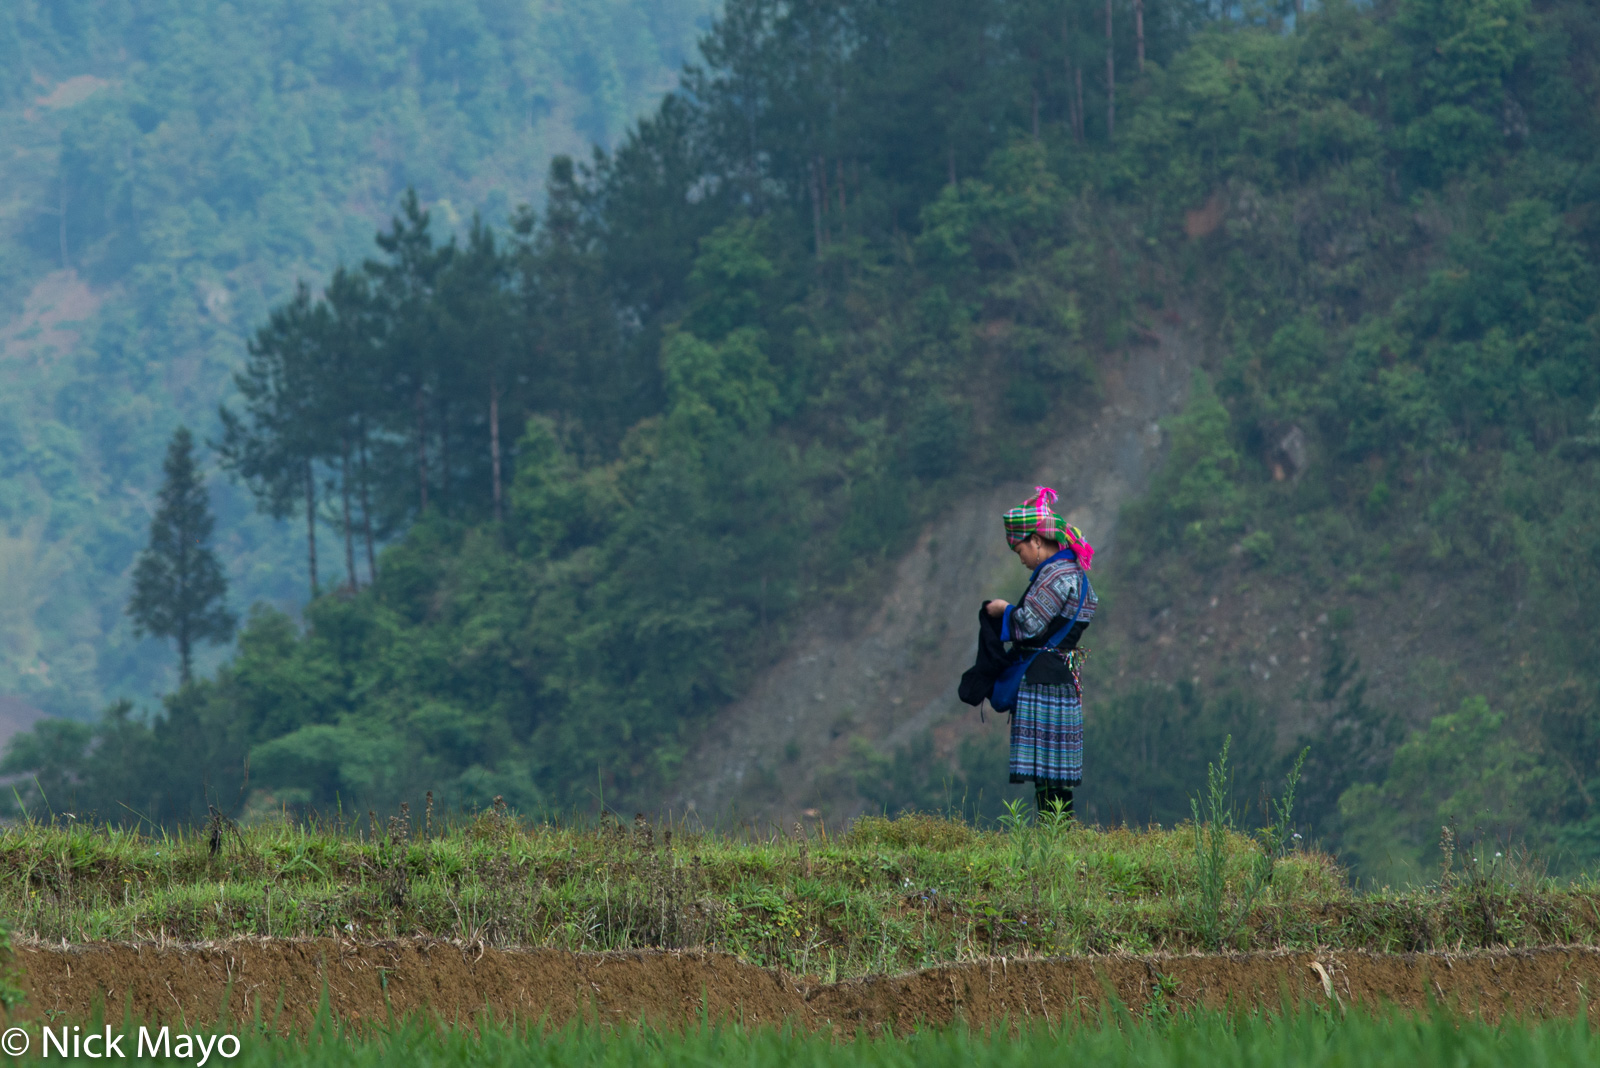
1046 796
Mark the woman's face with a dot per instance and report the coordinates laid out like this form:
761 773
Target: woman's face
1033 551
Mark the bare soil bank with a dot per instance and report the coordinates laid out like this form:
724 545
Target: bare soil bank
366 982
887 671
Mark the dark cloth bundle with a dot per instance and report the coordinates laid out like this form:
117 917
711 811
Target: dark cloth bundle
978 680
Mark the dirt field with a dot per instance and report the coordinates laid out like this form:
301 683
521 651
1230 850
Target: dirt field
366 982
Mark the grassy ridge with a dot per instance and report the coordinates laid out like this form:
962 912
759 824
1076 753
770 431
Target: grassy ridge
884 896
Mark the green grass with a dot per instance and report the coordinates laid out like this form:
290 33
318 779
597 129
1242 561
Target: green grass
1309 1038
885 896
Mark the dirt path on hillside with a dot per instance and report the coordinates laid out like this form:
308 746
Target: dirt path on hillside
369 982
891 673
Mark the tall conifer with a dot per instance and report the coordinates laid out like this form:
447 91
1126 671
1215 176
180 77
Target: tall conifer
178 587
282 432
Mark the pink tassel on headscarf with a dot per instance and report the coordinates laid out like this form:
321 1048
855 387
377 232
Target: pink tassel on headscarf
1084 551
1044 497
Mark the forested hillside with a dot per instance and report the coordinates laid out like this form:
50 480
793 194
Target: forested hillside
866 258
169 170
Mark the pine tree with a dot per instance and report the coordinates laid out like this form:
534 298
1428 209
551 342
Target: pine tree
274 445
178 587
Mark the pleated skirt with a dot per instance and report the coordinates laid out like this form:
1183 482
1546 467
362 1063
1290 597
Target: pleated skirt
1047 736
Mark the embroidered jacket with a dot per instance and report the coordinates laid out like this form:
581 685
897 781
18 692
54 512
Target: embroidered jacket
1050 600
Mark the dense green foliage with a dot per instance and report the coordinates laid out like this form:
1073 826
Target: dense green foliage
1407 276
184 163
1393 243
767 384
785 319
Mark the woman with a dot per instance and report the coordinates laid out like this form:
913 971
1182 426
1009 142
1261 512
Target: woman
1047 726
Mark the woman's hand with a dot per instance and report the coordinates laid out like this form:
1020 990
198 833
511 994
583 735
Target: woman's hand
996 608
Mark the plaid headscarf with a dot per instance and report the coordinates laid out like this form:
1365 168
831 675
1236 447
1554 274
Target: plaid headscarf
1036 517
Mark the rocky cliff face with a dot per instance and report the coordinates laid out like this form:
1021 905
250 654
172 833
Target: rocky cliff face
888 673
884 676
